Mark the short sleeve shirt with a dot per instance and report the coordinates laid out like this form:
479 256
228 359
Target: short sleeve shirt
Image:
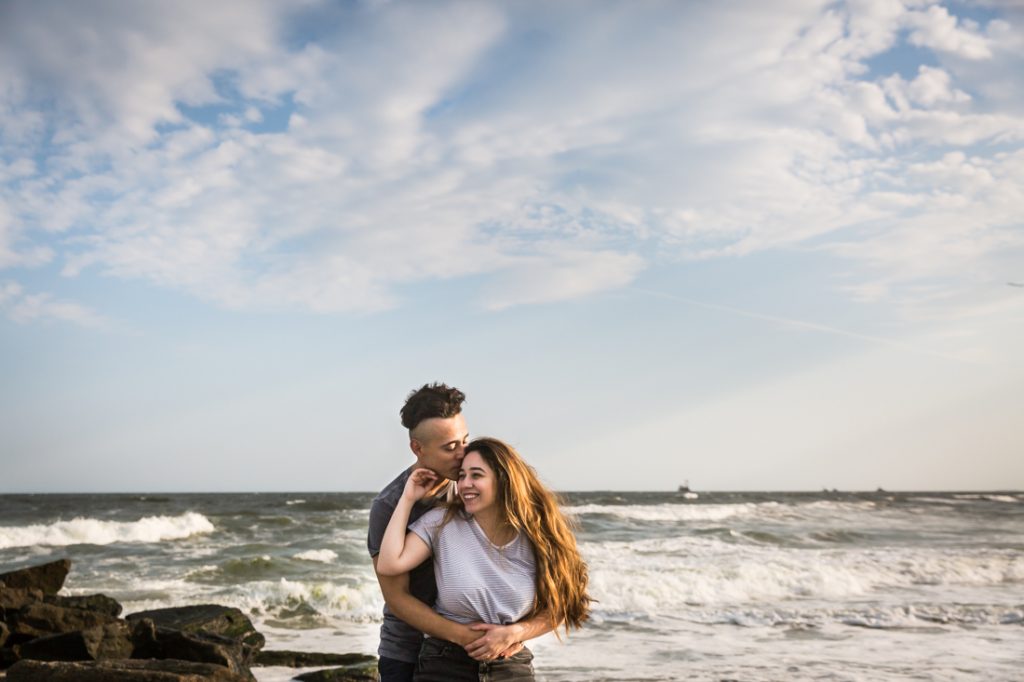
476 580
399 640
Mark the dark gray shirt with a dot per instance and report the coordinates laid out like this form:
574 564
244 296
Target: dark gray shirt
399 640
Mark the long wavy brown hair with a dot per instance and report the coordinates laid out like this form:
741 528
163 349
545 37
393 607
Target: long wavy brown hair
529 507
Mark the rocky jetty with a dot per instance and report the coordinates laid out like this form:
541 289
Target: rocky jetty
48 636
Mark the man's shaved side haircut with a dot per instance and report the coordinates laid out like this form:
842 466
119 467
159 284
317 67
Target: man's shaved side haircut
431 401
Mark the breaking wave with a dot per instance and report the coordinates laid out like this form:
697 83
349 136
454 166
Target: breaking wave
83 531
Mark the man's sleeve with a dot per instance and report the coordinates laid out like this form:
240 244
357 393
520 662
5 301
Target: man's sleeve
427 526
380 514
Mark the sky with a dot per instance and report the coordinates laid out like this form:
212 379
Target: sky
747 245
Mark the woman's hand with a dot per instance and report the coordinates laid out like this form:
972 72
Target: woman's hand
421 482
496 641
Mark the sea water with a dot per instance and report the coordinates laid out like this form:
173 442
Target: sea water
728 586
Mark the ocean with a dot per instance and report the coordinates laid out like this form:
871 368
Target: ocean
749 587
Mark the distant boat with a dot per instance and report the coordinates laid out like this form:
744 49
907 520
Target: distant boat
684 489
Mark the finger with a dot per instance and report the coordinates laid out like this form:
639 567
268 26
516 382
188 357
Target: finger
482 626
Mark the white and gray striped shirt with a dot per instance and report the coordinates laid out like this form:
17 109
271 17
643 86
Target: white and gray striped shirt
477 581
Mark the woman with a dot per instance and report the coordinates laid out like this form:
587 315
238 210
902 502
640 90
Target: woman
502 550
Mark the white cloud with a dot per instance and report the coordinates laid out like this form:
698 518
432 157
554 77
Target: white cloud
932 86
936 28
551 152
565 276
23 307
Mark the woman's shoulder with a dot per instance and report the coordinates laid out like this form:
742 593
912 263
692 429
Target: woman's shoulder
432 516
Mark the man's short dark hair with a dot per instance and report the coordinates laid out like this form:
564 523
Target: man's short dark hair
429 402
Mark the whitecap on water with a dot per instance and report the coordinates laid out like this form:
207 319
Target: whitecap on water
324 556
86 531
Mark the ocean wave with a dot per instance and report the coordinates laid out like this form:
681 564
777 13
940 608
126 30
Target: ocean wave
324 556
649 576
85 531
306 603
675 512
1009 499
875 617
669 512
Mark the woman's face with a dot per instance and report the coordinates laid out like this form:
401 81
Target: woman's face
478 486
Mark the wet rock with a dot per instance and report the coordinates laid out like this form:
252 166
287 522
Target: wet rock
14 598
120 671
46 577
104 642
308 659
100 603
4 633
40 620
366 672
150 641
207 618
8 657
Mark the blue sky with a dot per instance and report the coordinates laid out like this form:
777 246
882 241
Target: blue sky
750 245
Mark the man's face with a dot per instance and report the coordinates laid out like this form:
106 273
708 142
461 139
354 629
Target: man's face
440 444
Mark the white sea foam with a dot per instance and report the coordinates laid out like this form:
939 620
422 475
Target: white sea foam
84 531
670 512
360 602
719 512
1001 498
291 502
1010 499
648 576
324 556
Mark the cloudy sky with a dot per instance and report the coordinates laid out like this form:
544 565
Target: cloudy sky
752 245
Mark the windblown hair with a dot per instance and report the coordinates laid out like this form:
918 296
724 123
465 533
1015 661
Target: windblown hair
431 401
531 508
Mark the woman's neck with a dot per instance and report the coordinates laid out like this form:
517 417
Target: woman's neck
497 529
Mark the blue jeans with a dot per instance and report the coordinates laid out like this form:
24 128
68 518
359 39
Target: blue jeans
442 661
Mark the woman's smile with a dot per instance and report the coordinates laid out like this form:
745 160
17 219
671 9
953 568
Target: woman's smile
476 483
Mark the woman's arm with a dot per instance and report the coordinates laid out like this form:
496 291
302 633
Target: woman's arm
506 640
400 552
417 614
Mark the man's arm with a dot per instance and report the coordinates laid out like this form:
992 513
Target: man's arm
417 614
506 640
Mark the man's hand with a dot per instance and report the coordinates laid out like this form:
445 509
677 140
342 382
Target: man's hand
496 641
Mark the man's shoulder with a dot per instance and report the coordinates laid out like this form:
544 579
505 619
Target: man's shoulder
387 498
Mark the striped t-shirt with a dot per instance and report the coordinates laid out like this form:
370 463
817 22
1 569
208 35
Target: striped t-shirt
477 581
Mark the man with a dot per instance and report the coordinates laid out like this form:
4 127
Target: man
437 438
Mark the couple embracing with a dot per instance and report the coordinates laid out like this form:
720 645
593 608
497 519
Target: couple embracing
470 550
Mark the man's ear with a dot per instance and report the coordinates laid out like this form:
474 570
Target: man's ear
416 447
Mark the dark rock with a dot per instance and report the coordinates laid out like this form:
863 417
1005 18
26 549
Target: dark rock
8 657
46 577
120 671
150 641
209 618
110 641
308 659
14 598
4 633
100 603
40 620
366 672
